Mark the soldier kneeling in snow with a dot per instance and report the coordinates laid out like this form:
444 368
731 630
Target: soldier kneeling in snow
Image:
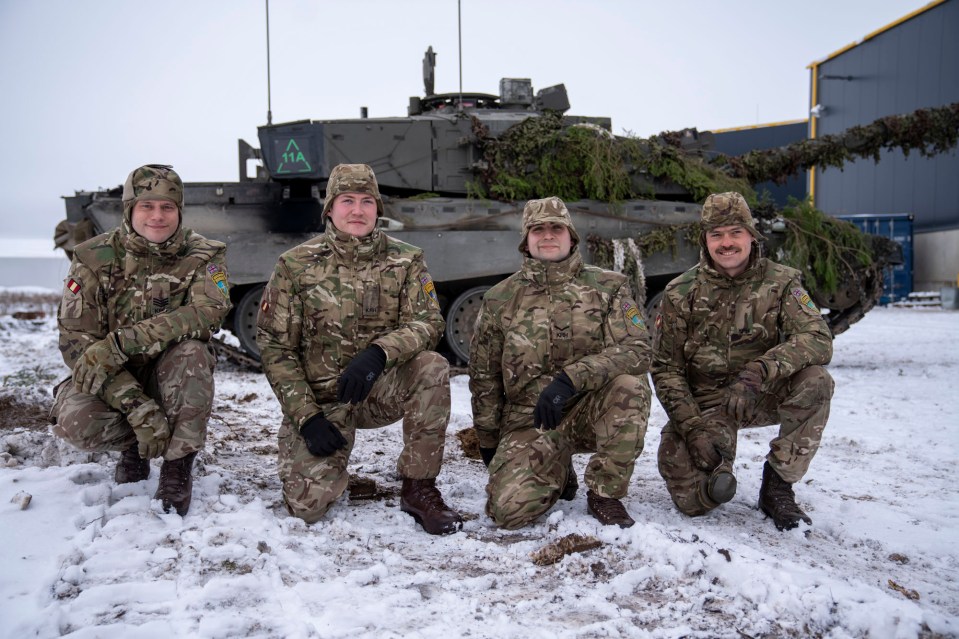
139 307
345 330
740 344
558 366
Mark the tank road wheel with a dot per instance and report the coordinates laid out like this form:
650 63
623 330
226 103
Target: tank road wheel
460 319
244 320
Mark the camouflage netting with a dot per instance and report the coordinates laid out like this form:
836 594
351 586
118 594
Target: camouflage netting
546 156
928 131
824 248
624 256
828 251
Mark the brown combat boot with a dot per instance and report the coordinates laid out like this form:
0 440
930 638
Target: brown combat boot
175 490
421 499
572 484
777 500
131 467
608 511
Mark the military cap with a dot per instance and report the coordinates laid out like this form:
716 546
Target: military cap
153 182
352 178
728 209
547 210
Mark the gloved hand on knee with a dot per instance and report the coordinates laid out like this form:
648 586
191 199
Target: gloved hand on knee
101 360
357 379
745 390
552 401
152 429
707 442
321 436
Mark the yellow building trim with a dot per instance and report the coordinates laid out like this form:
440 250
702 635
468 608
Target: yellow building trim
877 32
757 126
814 76
813 121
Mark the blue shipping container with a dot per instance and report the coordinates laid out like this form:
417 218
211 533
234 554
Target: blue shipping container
897 283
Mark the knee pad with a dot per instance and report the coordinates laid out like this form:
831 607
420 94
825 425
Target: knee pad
513 502
307 499
515 511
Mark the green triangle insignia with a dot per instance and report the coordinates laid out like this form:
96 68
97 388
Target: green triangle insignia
292 160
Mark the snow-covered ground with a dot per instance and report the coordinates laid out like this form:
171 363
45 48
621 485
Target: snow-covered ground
88 558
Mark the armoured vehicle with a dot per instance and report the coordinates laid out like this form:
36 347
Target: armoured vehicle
429 166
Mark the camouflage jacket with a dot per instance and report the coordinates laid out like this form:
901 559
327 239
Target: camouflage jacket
710 326
546 318
152 296
330 298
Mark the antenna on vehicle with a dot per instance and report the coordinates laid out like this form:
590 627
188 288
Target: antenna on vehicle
459 31
269 106
429 70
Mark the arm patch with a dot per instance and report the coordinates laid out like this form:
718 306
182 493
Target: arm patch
633 316
429 289
805 301
218 277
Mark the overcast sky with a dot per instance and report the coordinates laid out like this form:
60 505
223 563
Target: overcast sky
90 89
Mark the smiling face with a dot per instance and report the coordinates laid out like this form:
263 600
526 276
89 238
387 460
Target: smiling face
354 213
549 241
156 220
729 247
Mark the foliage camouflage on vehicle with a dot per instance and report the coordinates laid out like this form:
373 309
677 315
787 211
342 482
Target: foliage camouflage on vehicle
455 172
928 131
547 156
585 162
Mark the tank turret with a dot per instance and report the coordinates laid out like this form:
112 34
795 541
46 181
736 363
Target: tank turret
455 173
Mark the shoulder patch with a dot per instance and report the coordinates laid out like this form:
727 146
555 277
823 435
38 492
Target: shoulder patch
218 277
427 283
805 301
633 316
73 286
268 307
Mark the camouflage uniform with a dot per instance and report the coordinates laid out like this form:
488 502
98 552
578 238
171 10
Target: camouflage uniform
327 300
162 302
710 327
547 318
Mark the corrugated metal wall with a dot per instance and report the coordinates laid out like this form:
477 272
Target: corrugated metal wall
912 65
744 140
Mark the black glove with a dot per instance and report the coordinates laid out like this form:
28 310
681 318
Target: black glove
357 380
549 408
321 436
487 455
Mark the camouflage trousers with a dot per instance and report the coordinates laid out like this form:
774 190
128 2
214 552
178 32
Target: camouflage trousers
181 382
418 392
800 405
528 471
